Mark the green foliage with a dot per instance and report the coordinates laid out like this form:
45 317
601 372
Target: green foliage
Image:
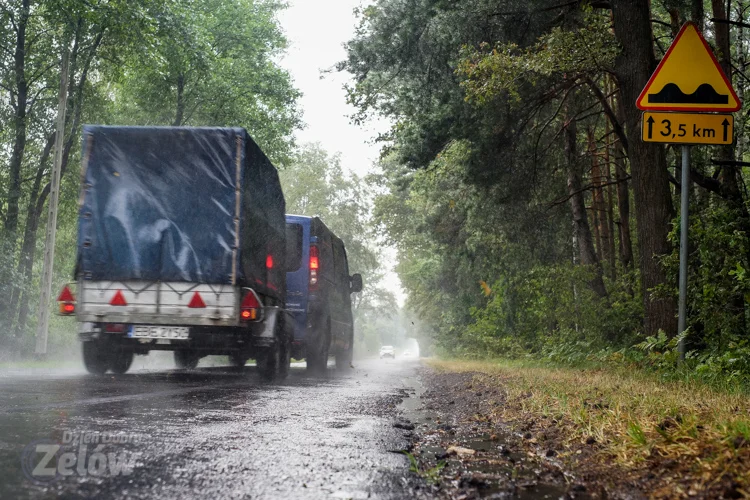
718 291
211 63
552 312
490 72
478 178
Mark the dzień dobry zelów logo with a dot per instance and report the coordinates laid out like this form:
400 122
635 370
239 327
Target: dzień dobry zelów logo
79 454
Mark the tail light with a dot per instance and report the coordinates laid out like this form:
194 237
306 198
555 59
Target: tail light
314 266
250 309
66 301
115 327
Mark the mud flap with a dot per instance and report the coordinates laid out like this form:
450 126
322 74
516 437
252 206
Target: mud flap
265 336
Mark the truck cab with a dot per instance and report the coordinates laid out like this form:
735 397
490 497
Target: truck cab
319 289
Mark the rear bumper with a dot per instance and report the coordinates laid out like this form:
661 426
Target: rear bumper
158 319
217 339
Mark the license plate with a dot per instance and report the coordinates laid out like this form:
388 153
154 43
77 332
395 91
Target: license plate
159 332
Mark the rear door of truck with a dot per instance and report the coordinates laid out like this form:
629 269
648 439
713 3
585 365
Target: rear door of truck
298 272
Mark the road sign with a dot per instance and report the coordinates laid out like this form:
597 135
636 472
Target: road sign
689 78
687 128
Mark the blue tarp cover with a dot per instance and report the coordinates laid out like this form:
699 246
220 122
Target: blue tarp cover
159 203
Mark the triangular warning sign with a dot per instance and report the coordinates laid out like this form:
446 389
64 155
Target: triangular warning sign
689 78
66 295
196 302
118 299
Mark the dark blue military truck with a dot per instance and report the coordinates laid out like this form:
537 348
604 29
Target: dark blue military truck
181 247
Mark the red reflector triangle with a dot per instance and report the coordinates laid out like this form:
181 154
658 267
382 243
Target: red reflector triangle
197 301
118 299
66 295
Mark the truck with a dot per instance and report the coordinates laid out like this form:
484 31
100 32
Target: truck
181 247
319 290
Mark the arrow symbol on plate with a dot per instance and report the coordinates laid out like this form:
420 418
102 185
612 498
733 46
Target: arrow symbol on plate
725 124
650 122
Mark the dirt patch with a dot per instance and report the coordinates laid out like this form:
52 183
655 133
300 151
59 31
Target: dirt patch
464 447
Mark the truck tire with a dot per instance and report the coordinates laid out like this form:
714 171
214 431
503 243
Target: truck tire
344 357
285 357
268 360
318 350
186 360
120 361
238 359
95 357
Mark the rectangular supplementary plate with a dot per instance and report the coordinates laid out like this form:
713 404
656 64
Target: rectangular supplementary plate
687 128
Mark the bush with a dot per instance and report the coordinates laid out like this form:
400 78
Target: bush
552 311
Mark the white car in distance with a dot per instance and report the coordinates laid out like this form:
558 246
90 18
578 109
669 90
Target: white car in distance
387 351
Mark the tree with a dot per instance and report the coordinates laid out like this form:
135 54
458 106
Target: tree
212 66
654 210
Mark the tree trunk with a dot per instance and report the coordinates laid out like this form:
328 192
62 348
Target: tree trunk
654 210
623 189
19 121
623 207
581 229
26 260
598 203
180 114
76 91
19 105
610 206
696 13
728 176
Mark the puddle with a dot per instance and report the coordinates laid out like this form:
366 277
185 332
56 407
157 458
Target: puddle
483 443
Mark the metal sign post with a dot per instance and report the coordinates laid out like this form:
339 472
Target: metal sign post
683 102
54 195
684 219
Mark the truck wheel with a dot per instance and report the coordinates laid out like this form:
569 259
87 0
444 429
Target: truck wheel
186 360
318 351
238 359
268 360
95 357
285 358
344 358
121 361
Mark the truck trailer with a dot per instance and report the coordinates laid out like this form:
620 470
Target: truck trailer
181 247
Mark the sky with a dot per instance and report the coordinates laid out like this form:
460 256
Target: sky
317 31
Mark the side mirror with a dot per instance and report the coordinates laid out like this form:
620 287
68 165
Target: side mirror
355 283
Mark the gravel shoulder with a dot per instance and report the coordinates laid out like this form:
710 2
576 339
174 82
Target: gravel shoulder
476 436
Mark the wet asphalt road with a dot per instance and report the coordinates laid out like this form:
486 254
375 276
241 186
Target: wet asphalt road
210 433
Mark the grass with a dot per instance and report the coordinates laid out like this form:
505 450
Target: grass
39 363
431 475
633 416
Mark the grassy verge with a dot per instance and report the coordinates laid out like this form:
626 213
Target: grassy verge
39 364
691 437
